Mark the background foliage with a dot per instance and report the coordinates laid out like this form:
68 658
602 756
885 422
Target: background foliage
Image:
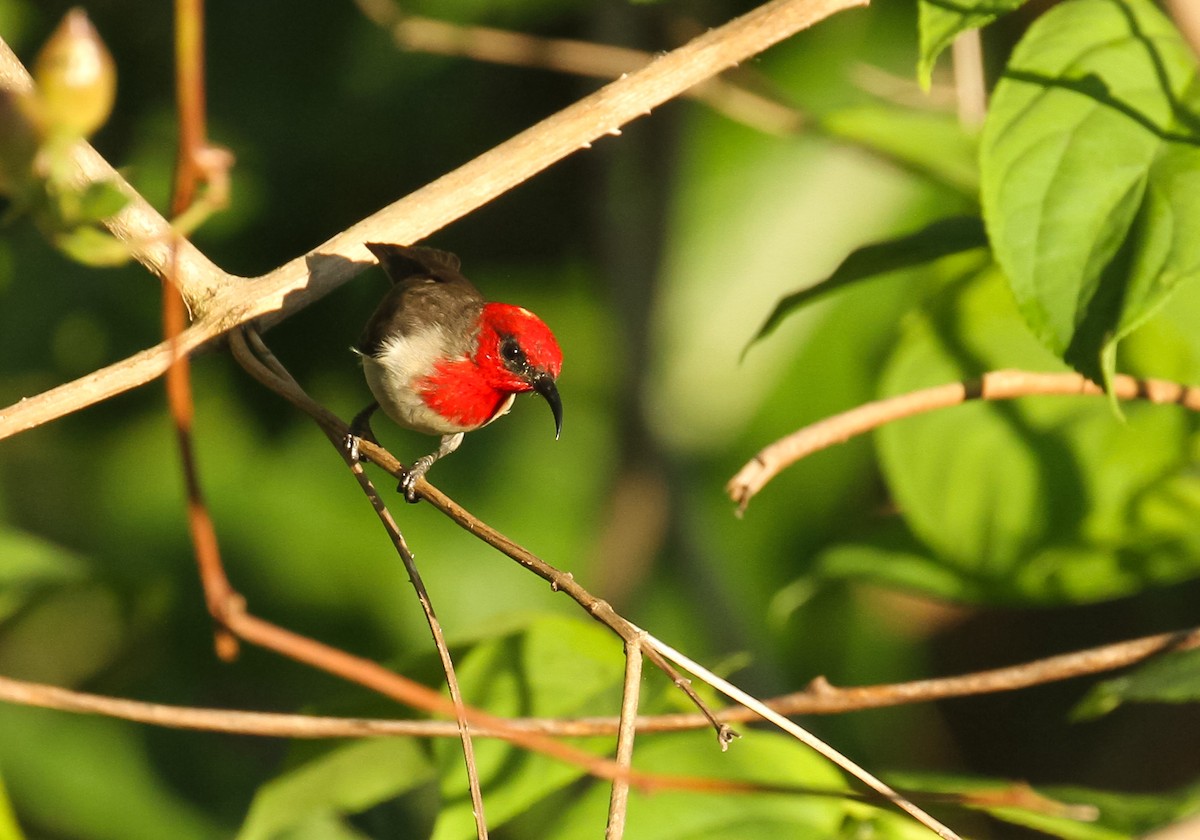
966 539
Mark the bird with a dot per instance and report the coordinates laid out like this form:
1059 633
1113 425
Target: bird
440 360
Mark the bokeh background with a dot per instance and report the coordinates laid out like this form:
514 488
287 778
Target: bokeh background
655 256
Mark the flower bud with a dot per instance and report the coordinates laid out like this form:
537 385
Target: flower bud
76 79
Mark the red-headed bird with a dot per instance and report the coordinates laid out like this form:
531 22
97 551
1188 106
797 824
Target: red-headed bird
441 361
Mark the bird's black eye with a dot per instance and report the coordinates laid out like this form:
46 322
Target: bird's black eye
513 355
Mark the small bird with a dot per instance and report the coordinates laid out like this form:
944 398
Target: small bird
440 360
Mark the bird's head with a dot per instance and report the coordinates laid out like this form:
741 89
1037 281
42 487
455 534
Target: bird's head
516 352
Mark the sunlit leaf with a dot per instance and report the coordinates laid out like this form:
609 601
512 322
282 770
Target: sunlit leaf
345 780
557 668
1091 174
939 239
92 246
1037 500
931 144
77 776
941 21
759 756
9 830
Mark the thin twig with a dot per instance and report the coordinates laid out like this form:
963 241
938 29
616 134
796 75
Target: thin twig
1187 17
970 86
618 800
223 301
805 737
189 93
819 698
996 385
569 55
250 348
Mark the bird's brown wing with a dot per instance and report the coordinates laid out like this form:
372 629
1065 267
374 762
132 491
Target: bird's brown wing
428 291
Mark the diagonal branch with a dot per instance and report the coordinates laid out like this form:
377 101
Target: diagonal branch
222 301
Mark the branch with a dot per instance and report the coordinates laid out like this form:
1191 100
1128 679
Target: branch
820 698
222 301
569 55
997 385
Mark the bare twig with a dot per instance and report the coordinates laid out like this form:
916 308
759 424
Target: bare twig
618 800
189 93
568 55
819 698
222 301
970 86
997 385
1187 17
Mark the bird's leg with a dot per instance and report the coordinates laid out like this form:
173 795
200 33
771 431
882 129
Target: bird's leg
421 466
360 429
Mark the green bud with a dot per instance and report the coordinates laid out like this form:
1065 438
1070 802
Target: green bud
76 78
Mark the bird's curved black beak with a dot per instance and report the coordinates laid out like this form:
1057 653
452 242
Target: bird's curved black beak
544 385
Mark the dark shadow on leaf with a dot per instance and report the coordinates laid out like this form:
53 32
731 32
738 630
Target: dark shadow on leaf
941 238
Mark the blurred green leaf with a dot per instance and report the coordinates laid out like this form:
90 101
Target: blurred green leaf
1039 500
1171 678
890 555
941 21
92 246
99 200
346 780
933 145
1069 813
9 830
757 757
1133 814
31 565
939 239
1091 174
79 776
558 667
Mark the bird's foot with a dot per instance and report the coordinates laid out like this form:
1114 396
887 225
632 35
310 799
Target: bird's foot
360 430
350 442
408 484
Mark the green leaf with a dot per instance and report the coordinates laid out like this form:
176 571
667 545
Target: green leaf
934 145
346 780
1091 174
1037 500
758 757
9 829
99 200
1172 678
941 21
92 246
939 239
1067 812
31 565
559 667
89 776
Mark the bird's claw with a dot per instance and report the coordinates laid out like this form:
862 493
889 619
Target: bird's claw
351 441
408 484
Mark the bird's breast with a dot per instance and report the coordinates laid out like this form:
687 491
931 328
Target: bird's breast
421 388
